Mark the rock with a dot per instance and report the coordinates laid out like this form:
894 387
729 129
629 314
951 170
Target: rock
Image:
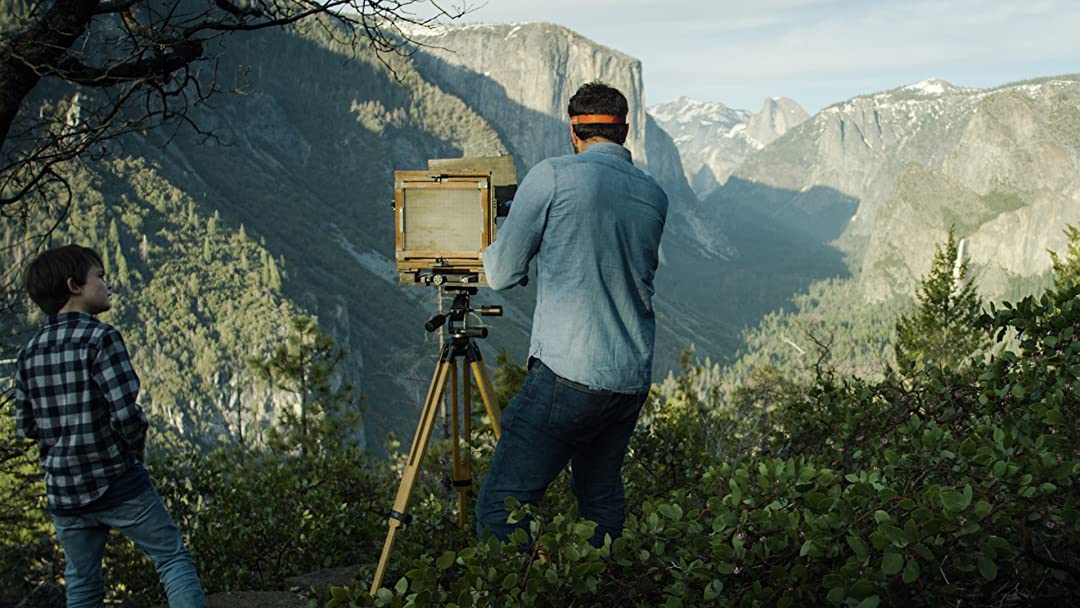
255 599
324 579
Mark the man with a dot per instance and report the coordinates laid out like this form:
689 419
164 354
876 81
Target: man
593 222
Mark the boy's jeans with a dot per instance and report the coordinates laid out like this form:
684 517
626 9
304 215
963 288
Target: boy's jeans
144 520
549 423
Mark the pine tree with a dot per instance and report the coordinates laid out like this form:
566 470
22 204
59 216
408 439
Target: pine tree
273 275
304 366
1067 270
121 265
943 330
211 224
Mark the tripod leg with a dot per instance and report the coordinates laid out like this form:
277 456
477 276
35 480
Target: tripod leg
487 393
462 464
412 466
458 473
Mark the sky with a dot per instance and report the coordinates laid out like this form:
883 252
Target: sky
817 52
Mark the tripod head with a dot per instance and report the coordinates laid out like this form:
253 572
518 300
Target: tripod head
458 315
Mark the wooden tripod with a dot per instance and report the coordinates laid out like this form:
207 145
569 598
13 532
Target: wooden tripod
461 346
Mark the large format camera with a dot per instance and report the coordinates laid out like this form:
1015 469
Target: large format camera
444 218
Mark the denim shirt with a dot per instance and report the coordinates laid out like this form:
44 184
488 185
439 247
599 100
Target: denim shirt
593 222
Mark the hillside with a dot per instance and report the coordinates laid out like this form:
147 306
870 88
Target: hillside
301 162
883 176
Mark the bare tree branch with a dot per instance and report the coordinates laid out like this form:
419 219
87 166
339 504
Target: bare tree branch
126 66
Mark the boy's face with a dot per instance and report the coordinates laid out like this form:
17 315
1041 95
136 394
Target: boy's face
93 297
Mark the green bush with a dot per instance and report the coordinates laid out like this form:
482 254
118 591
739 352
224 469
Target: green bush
952 487
252 519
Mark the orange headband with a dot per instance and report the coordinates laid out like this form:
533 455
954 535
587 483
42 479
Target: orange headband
597 119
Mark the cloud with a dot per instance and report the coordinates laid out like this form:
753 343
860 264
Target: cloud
798 47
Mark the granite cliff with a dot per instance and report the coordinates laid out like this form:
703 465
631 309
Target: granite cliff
882 176
713 139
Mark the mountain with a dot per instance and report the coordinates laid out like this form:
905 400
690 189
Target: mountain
301 164
882 176
519 77
713 139
285 209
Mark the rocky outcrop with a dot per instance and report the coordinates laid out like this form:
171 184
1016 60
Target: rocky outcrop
713 139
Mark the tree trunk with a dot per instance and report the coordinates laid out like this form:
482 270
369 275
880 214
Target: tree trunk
44 44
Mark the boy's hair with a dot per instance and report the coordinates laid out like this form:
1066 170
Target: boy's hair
46 277
599 98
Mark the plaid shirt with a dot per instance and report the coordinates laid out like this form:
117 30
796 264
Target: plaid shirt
75 394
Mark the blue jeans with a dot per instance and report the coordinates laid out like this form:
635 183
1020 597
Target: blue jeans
552 422
144 520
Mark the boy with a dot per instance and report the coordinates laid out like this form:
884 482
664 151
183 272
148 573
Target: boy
75 394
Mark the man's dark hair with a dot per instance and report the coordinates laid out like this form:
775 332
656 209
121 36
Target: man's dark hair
46 277
599 98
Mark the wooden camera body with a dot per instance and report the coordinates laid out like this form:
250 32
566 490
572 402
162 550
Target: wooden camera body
444 218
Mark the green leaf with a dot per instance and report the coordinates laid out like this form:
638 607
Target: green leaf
445 560
384 594
862 588
999 544
982 509
999 435
669 511
954 501
967 448
987 568
584 530
892 564
858 546
882 517
870 602
924 552
402 586
510 581
894 535
911 571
